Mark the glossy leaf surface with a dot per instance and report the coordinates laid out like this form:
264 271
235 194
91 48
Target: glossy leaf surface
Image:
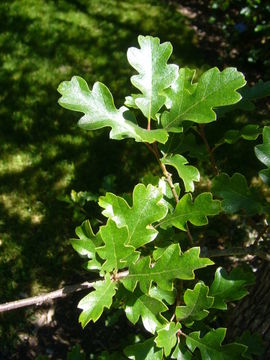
195 212
94 303
230 287
149 309
211 348
189 174
154 74
195 101
116 252
166 338
147 208
100 111
171 265
197 302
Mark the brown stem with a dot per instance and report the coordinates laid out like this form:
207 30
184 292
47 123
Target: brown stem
60 293
209 150
237 251
70 289
167 175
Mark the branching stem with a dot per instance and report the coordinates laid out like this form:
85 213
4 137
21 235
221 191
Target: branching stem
70 289
209 150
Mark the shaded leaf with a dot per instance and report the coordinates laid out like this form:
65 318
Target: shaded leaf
147 208
100 111
195 212
181 352
170 266
144 351
211 348
149 309
166 338
236 194
197 302
187 173
76 353
249 94
150 61
253 342
94 303
262 152
230 287
195 101
115 251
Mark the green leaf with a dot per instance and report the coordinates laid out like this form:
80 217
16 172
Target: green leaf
144 351
196 213
76 353
230 287
100 111
181 352
115 251
166 338
150 61
94 303
211 348
147 208
197 301
149 309
249 94
236 194
250 132
262 152
187 173
170 266
163 295
87 242
253 342
195 101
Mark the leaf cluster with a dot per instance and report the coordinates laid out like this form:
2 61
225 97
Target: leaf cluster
144 269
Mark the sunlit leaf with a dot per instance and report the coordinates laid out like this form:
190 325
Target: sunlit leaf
195 212
147 208
116 252
166 338
154 75
170 266
189 174
197 302
94 303
100 111
195 101
148 308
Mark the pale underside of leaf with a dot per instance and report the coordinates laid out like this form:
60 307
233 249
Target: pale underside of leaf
100 111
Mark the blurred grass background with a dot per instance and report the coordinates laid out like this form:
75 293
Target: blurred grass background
43 153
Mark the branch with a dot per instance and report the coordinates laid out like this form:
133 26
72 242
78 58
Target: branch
61 293
40 299
70 289
237 251
210 151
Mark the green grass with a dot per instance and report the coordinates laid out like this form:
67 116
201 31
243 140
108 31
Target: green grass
43 153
